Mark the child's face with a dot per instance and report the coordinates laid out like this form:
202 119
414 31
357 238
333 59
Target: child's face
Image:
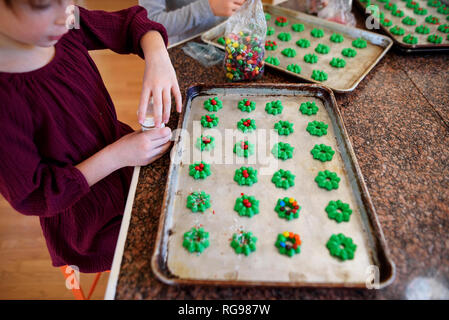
40 22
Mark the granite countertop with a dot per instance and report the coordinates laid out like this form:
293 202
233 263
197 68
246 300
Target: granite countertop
398 122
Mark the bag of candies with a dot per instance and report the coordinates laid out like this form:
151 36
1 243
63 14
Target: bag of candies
245 37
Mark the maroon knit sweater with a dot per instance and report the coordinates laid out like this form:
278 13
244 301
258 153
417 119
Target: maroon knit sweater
57 116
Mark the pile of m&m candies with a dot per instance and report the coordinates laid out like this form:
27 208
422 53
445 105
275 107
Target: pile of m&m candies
244 59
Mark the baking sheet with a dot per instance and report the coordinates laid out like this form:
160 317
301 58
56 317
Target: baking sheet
219 264
339 79
423 45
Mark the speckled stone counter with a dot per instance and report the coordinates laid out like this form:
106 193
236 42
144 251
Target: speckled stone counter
398 123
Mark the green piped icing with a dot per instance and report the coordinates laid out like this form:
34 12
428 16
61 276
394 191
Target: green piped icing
274 107
338 211
199 170
196 240
359 43
309 108
287 208
284 36
386 22
337 38
349 52
341 247
319 75
303 43
444 28
322 152
289 52
283 151
327 180
317 33
420 11
397 13
443 10
198 201
432 19
246 206
283 179
298 27
322 48
423 29
245 176
288 243
213 104
311 58
272 60
270 31
247 105
246 125
434 38
270 45
412 4
391 6
409 21
209 121
434 3
294 68
410 39
281 21
244 149
221 41
267 16
338 63
317 128
243 243
397 31
205 143
284 128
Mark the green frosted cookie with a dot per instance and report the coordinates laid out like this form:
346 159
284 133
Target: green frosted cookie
213 104
243 243
341 247
283 151
359 43
397 13
444 28
270 45
287 208
322 48
349 52
244 149
309 108
245 176
317 128
319 75
423 29
432 20
281 21
337 63
246 206
284 128
246 105
434 38
283 179
322 152
288 243
397 31
270 31
196 240
272 60
337 38
284 36
274 107
289 52
303 43
298 27
410 39
294 68
409 21
199 170
327 180
205 143
420 11
311 58
386 22
209 121
198 201
338 211
246 125
317 33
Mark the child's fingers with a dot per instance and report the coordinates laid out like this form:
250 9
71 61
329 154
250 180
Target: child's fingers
143 105
157 103
158 133
178 98
166 97
160 151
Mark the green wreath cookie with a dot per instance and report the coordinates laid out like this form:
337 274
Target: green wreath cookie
270 45
244 149
245 176
272 60
359 43
282 151
289 52
444 28
412 4
422 29
284 128
317 33
434 3
274 107
410 39
196 240
337 38
386 22
288 243
298 27
391 6
309 108
246 125
270 31
294 68
284 36
209 121
213 104
349 52
434 38
337 63
287 208
327 180
432 20
198 201
317 128
246 206
420 11
205 143
281 21
303 43
338 211
409 21
244 243
322 48
199 170
283 179
322 152
397 13
341 247
443 10
311 58
246 105
319 75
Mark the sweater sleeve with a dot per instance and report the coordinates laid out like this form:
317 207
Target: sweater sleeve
119 31
31 184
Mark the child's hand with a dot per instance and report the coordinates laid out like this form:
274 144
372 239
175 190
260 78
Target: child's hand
141 148
159 80
225 8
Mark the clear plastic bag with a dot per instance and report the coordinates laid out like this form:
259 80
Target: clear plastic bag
245 37
207 55
336 10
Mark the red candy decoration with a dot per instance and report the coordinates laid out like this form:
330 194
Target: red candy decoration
213 102
245 173
247 103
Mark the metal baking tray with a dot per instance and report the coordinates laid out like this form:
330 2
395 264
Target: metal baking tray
313 267
340 80
422 46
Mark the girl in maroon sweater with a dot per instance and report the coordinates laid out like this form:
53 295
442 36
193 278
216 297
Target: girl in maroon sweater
64 156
